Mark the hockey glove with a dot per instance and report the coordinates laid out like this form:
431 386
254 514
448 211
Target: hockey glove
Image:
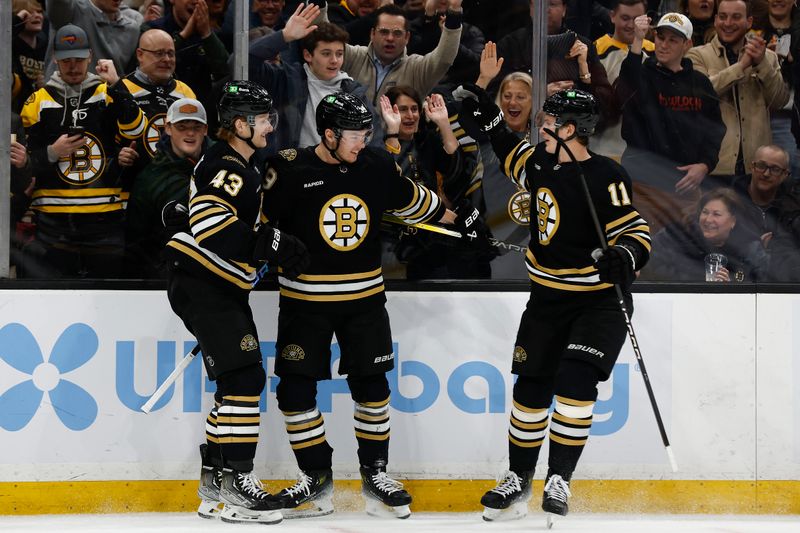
175 218
616 264
283 250
471 226
476 104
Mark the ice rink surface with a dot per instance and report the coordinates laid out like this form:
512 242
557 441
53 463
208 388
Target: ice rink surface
427 522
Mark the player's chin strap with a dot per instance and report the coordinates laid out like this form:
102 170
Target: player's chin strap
333 150
561 142
248 140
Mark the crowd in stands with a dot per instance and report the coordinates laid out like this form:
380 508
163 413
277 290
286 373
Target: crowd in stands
114 102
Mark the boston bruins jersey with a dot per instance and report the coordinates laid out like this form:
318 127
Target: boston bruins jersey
86 181
336 211
563 235
154 100
225 193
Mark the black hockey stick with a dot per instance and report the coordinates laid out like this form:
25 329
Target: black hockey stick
410 229
631 333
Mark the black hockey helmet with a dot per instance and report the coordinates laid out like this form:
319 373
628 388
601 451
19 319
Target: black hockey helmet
576 106
342 111
242 98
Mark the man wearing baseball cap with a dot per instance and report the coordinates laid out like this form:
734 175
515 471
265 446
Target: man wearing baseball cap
73 124
747 79
670 119
164 181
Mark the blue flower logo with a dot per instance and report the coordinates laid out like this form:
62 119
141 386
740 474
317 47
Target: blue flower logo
74 406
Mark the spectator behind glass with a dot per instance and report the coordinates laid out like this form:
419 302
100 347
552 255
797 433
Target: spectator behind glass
28 48
777 26
201 59
671 121
507 207
579 68
701 15
154 88
746 76
679 250
72 125
426 32
165 179
768 197
296 84
612 50
430 154
113 29
385 63
357 17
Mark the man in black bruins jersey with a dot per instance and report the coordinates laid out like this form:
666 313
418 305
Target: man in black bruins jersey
72 125
572 329
332 196
154 87
212 270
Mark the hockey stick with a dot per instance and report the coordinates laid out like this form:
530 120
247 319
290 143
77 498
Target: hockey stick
631 333
187 359
391 219
179 368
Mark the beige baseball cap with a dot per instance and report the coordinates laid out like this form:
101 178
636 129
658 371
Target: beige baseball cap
676 22
186 109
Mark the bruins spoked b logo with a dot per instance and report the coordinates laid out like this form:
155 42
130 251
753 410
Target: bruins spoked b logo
152 134
519 208
344 222
84 165
547 215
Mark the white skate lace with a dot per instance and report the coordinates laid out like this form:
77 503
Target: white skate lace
557 489
508 485
303 485
250 484
386 484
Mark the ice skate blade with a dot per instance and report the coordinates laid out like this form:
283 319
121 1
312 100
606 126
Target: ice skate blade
514 511
381 510
318 507
234 514
551 519
209 509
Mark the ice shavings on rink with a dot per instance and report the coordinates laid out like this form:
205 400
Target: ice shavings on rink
422 522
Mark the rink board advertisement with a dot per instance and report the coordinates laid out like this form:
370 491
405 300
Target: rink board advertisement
75 366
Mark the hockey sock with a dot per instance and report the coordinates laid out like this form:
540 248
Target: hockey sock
237 426
371 422
525 436
569 431
306 431
213 455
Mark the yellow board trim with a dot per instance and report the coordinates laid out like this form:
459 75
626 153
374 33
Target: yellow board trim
430 495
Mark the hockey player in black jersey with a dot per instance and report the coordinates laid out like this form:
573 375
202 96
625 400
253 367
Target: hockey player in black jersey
572 329
332 196
212 269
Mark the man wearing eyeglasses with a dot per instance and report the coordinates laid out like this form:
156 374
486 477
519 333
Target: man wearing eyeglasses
165 179
385 63
154 88
766 194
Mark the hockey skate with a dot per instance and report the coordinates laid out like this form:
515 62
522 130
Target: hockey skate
509 499
208 490
554 500
246 501
384 496
312 495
